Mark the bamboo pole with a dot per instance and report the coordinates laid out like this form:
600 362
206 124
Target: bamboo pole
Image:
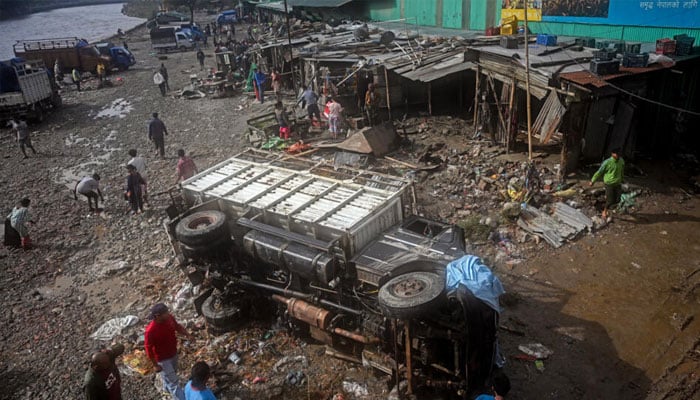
430 99
498 106
291 52
510 114
388 96
527 88
476 97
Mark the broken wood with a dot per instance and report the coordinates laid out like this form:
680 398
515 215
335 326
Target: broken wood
476 97
498 106
405 164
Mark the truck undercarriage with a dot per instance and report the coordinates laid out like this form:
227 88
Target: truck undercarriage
328 251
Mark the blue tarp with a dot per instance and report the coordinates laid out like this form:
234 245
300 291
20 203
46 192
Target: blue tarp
477 277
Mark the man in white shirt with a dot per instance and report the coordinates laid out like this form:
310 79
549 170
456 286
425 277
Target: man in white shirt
89 187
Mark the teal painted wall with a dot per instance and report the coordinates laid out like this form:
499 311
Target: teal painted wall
629 33
422 11
477 15
452 14
385 10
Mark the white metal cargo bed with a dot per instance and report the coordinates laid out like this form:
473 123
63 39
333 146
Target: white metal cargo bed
302 196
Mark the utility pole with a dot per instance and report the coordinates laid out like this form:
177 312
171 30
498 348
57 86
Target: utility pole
291 54
527 88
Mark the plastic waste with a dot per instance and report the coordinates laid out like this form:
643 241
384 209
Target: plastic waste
356 389
114 327
537 350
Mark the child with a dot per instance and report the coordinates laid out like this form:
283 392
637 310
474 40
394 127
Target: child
18 220
282 120
196 388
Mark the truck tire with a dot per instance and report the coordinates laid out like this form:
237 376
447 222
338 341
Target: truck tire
201 228
56 100
38 113
222 317
412 294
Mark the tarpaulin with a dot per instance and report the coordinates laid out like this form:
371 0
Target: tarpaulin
477 277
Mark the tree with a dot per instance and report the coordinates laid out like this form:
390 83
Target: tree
190 4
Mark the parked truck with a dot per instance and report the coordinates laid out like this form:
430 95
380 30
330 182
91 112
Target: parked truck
164 39
72 53
121 57
336 254
26 90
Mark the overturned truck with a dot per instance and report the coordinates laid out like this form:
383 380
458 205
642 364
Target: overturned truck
340 257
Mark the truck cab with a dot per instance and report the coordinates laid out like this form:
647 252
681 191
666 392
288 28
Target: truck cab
227 17
121 57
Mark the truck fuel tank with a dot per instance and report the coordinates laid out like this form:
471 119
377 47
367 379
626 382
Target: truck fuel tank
311 264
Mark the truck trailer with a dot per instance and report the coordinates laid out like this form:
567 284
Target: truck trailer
27 90
73 53
336 254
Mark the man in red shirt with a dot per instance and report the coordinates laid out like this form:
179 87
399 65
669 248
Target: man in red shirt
160 343
185 167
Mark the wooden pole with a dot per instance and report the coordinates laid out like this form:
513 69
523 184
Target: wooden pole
476 97
291 53
388 96
498 105
409 370
430 99
527 88
513 84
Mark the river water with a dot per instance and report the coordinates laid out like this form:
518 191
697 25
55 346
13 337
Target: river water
90 22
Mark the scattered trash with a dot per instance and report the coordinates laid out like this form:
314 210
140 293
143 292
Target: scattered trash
356 389
536 350
634 264
114 327
259 379
290 359
539 365
138 362
235 358
295 378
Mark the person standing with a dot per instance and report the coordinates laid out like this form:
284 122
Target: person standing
140 164
185 167
89 187
101 73
371 103
200 58
164 72
309 99
134 192
259 78
334 111
160 342
276 79
160 81
57 72
156 134
19 217
196 388
102 379
613 171
22 136
75 75
282 120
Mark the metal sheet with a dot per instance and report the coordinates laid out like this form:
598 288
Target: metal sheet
452 14
318 3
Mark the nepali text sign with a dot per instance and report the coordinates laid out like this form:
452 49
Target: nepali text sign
678 14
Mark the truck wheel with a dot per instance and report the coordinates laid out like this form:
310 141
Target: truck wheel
221 316
412 294
56 101
38 113
201 228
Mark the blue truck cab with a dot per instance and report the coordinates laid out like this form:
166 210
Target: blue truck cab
227 17
121 58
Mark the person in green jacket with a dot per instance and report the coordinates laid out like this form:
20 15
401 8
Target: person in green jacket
612 170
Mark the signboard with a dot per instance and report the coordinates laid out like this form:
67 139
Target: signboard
677 14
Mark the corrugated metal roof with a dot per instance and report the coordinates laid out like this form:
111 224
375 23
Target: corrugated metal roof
589 78
318 3
276 6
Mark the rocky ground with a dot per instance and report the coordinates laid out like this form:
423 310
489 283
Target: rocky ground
617 307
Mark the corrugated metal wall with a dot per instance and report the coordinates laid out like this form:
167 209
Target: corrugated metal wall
422 11
385 10
452 14
629 33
